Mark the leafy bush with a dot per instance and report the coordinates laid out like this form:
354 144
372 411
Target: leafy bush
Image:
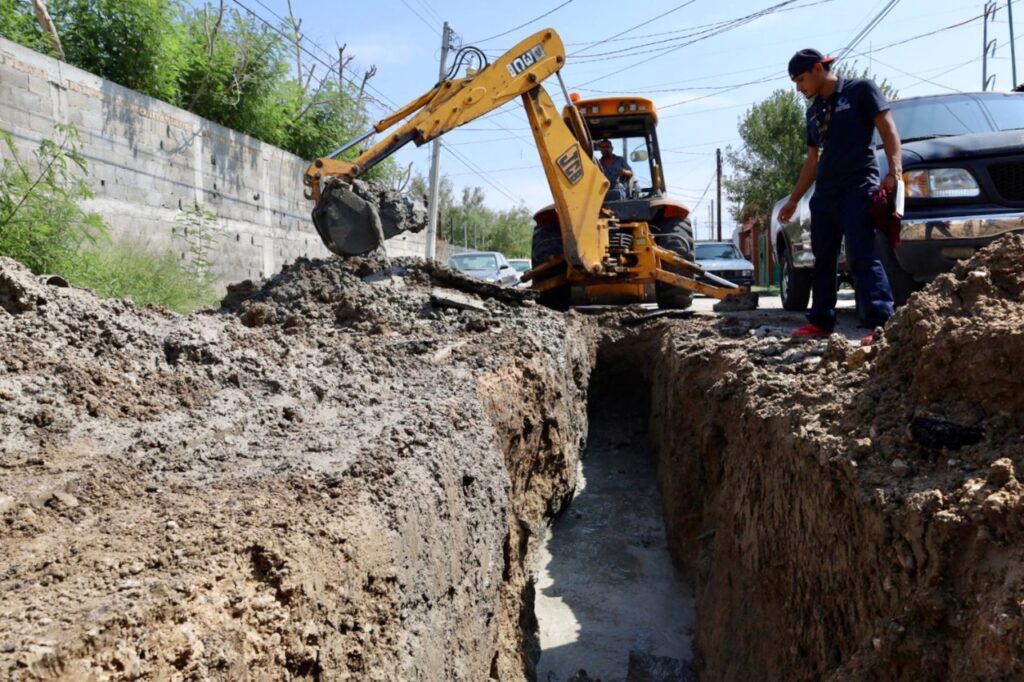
128 270
41 223
224 65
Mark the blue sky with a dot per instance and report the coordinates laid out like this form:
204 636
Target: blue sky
692 85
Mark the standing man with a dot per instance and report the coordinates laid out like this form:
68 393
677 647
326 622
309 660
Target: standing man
615 168
841 162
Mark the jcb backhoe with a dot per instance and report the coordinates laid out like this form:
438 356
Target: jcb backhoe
596 244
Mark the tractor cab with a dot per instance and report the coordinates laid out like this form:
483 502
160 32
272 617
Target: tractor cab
630 124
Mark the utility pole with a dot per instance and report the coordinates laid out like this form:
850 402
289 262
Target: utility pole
1013 50
990 15
711 221
718 157
435 158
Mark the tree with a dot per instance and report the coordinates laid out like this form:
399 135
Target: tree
774 147
18 23
135 43
849 70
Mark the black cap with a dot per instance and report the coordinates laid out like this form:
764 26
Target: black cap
804 60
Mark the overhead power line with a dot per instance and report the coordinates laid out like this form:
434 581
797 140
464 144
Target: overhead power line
524 24
481 173
420 17
867 30
736 23
633 28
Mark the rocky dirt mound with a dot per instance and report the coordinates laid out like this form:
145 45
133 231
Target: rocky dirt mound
945 375
850 513
336 478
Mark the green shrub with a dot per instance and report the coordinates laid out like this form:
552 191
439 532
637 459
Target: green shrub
43 226
41 223
128 270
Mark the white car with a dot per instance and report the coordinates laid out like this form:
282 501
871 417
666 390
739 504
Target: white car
490 266
724 260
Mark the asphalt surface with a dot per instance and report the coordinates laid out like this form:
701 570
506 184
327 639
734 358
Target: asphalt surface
770 314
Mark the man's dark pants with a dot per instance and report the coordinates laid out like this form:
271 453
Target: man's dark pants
833 216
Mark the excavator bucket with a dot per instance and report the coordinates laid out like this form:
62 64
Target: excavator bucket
745 300
348 224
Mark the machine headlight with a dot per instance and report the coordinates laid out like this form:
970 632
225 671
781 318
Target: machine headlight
748 273
940 183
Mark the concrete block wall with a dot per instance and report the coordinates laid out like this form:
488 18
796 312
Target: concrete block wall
149 163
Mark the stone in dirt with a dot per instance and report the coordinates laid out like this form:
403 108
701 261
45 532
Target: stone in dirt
649 668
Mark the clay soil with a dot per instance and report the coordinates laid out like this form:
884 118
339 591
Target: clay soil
341 474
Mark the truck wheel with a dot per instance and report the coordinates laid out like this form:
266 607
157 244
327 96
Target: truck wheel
795 285
676 235
547 243
902 282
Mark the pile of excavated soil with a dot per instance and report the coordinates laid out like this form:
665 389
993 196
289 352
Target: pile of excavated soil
341 472
854 514
335 476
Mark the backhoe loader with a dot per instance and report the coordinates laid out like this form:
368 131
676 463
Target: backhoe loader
595 244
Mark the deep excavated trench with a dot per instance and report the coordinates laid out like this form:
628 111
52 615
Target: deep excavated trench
609 599
368 466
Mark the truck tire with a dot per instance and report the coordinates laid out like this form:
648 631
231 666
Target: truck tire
795 285
547 243
901 282
676 235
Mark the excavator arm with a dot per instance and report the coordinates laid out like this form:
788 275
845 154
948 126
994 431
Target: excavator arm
348 225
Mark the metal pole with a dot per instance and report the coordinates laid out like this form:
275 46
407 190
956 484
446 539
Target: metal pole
465 237
435 159
1013 51
718 157
984 48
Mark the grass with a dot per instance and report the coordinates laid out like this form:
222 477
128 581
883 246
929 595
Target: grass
127 270
770 290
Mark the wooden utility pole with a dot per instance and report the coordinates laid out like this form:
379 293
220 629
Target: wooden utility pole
718 157
435 158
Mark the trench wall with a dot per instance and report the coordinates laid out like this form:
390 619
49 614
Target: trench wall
149 162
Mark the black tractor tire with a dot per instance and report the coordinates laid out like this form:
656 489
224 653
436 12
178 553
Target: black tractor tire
676 235
547 243
795 284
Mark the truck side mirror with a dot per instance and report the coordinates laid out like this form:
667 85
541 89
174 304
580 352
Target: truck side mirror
638 155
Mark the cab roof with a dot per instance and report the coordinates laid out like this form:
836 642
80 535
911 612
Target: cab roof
617 106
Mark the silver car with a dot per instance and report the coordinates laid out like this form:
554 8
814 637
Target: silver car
490 266
725 260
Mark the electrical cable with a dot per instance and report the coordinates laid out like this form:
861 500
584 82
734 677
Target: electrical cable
732 25
852 45
420 17
524 24
633 28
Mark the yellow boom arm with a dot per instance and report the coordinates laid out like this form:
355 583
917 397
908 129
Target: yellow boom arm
577 184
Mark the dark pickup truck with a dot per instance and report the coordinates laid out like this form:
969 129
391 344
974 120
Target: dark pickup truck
963 165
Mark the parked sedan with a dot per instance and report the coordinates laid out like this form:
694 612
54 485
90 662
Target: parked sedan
520 265
963 166
724 260
490 266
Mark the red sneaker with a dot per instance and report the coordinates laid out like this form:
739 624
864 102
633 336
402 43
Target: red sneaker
810 331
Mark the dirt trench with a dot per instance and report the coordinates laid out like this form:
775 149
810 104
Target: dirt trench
345 474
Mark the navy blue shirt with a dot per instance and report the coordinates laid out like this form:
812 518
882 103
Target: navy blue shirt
847 158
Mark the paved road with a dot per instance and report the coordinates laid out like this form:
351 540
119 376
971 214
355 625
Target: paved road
771 314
